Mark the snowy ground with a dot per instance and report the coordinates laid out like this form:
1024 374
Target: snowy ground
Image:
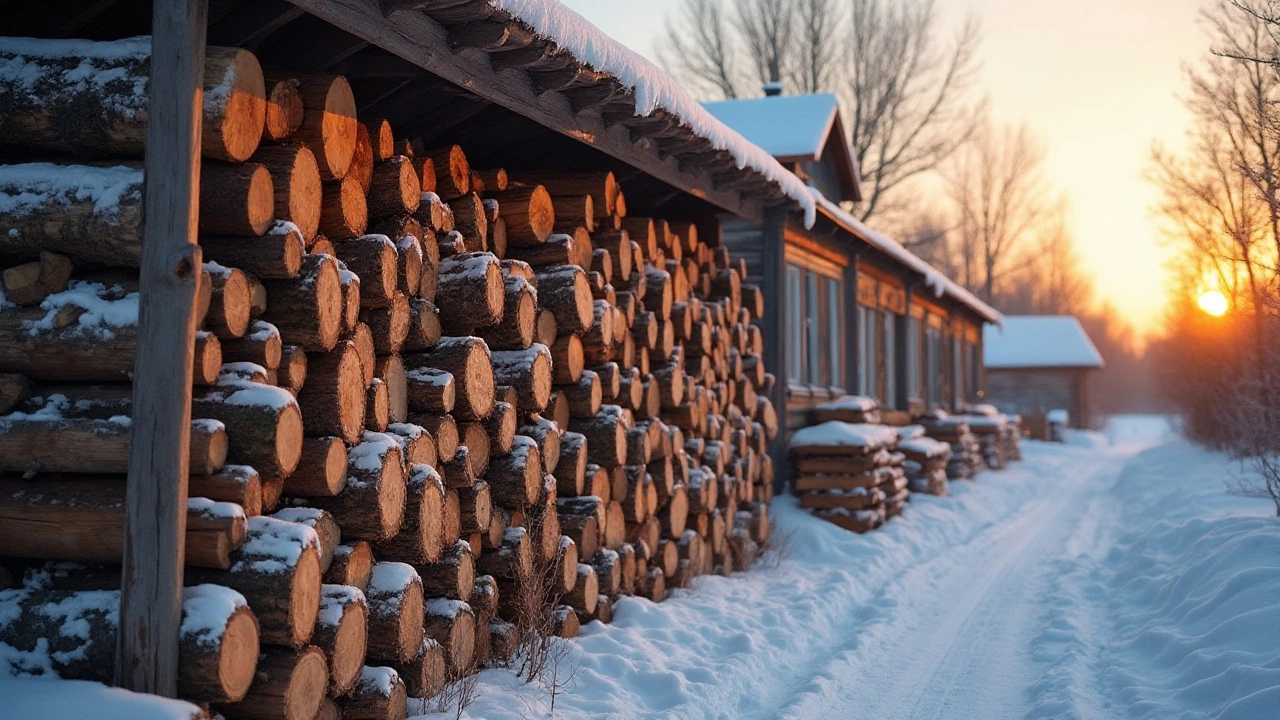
1110 578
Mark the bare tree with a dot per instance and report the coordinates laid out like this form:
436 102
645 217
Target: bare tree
767 28
815 66
700 48
1001 199
906 91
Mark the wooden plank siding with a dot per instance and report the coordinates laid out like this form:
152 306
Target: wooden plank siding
1033 392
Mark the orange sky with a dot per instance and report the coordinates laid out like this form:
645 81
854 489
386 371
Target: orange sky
1097 80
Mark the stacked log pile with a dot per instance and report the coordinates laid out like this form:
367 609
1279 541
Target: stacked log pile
850 408
849 474
926 461
966 452
990 427
1011 440
420 390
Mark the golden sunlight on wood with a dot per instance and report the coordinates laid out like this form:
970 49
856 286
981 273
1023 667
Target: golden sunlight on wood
1213 302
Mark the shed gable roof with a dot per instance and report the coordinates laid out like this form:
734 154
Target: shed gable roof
1031 341
795 128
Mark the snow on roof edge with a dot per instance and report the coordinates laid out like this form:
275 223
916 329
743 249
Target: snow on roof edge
653 88
934 278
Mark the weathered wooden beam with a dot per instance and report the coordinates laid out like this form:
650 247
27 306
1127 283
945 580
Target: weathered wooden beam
487 36
156 500
422 40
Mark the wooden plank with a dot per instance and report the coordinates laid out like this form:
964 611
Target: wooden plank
424 42
156 500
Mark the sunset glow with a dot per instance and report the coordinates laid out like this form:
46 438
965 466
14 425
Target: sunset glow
1214 303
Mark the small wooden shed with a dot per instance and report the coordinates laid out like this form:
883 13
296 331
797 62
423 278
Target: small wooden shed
1037 364
857 312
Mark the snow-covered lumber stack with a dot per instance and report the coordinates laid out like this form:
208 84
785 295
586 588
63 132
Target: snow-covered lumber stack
966 452
422 392
845 473
1012 438
926 460
850 409
991 428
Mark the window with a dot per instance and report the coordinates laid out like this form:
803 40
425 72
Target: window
867 330
835 325
813 327
913 358
933 364
957 373
890 398
795 327
814 324
975 380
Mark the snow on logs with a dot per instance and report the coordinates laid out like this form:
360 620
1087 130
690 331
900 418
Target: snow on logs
422 391
75 632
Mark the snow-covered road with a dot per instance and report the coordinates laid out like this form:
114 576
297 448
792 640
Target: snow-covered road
1084 582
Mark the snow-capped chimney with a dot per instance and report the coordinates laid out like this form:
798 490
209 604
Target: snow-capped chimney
773 88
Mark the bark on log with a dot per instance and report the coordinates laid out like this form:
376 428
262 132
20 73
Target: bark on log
379 695
452 623
515 479
564 291
283 111
217 650
528 371
54 106
344 210
452 576
322 469
601 186
519 317
394 189
395 603
342 634
329 120
278 571
606 436
470 292
235 199
264 424
467 358
308 309
333 399
452 172
421 536
528 214
371 506
287 685
352 564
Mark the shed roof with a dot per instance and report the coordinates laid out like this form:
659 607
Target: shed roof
1039 341
786 126
794 128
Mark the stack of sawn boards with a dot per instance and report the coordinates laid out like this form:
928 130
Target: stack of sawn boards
419 390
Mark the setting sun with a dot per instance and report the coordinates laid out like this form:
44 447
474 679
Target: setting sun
1213 302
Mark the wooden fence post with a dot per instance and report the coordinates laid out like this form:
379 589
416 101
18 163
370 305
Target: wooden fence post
151 601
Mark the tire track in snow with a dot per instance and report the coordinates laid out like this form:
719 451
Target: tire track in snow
952 637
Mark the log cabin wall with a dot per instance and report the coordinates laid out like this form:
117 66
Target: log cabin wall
454 347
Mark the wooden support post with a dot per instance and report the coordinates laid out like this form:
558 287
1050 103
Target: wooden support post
900 331
156 500
773 268
853 338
